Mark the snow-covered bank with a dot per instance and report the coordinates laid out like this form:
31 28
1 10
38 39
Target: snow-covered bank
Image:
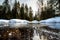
52 22
34 21
17 22
4 23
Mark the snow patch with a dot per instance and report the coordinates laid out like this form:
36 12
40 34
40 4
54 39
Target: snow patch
35 21
52 22
4 23
17 22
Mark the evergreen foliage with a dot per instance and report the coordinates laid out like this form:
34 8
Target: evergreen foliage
22 11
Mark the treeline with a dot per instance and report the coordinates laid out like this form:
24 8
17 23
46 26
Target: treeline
51 10
18 11
22 11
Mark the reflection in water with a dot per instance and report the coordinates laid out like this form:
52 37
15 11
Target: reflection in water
36 35
53 25
51 31
27 32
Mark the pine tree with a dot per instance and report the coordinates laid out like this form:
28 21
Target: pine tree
6 10
48 13
14 10
18 10
26 12
35 17
49 10
58 3
38 15
30 14
1 7
22 11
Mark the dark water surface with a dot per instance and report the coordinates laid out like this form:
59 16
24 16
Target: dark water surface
26 32
18 33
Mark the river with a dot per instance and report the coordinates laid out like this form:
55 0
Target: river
27 32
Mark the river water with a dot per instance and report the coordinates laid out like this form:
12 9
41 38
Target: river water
53 25
27 32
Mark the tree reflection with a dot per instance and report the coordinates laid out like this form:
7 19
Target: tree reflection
16 34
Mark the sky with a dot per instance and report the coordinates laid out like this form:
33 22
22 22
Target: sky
32 3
